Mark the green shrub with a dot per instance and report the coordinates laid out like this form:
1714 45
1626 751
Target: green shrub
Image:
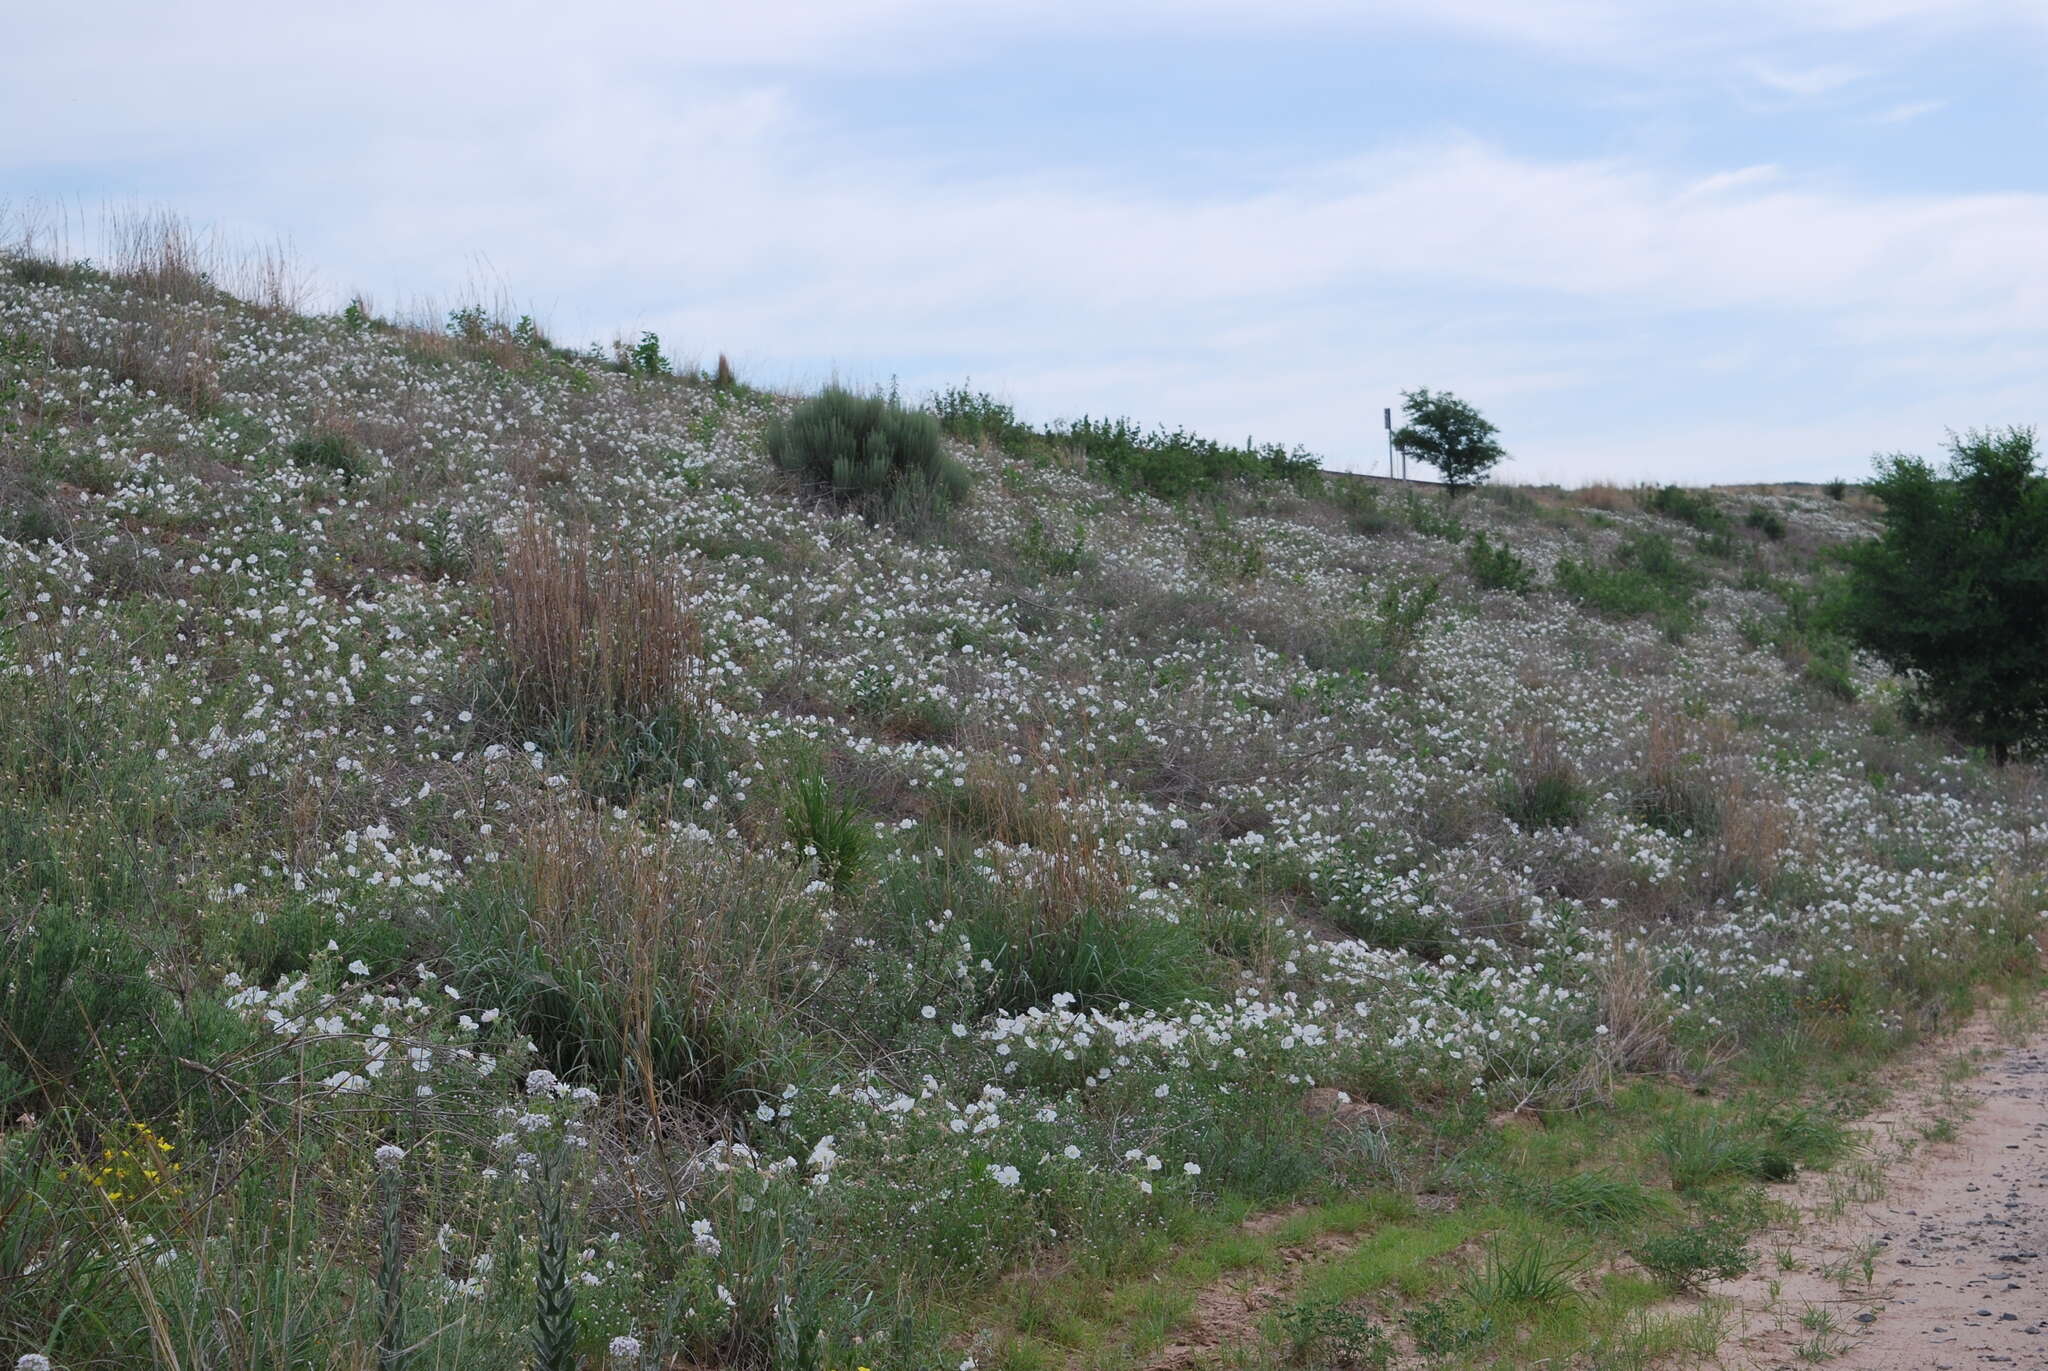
1445 1328
1767 522
1950 594
1052 556
1325 1333
1496 567
645 356
868 452
82 1022
1837 489
328 451
1686 1259
1433 521
977 416
1645 577
1695 507
1828 671
1363 509
1175 464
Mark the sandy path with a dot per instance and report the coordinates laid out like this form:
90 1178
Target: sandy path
1927 1254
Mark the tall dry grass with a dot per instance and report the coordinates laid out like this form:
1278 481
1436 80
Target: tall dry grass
588 639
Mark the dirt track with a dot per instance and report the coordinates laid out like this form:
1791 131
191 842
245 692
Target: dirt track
1955 1233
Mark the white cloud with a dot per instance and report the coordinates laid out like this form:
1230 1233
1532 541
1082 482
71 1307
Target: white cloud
1908 112
1804 82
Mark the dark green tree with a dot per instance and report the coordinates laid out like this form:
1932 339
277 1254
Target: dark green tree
1450 435
1954 592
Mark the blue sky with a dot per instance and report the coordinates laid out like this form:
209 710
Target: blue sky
1701 242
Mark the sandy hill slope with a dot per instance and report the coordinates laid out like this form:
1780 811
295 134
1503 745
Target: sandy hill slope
390 714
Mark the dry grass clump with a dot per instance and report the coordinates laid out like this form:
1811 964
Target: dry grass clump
1060 847
1674 790
1749 842
160 345
589 640
1638 1039
639 963
1604 496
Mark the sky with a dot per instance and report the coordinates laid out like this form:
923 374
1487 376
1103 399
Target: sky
1697 242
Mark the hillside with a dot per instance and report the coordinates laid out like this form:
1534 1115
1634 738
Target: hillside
464 807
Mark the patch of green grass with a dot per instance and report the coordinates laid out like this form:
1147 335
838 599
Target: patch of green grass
1589 1200
1646 577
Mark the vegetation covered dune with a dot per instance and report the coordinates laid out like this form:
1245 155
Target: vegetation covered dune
497 870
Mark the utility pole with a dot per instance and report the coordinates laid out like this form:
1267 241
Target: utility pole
1387 417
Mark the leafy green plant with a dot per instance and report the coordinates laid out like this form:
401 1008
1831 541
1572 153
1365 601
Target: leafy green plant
869 452
1325 1333
1363 508
1836 489
978 416
1768 522
1686 1259
1446 1328
1398 623
1051 556
1450 435
470 324
1496 567
1645 576
1695 507
833 835
645 357
1173 464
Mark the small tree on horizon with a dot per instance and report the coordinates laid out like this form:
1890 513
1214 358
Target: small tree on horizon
1954 592
1450 435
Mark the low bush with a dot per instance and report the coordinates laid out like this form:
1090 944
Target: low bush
1496 567
978 417
1646 577
1684 1260
1173 464
1695 507
871 454
1433 520
1363 508
1768 522
1323 1333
